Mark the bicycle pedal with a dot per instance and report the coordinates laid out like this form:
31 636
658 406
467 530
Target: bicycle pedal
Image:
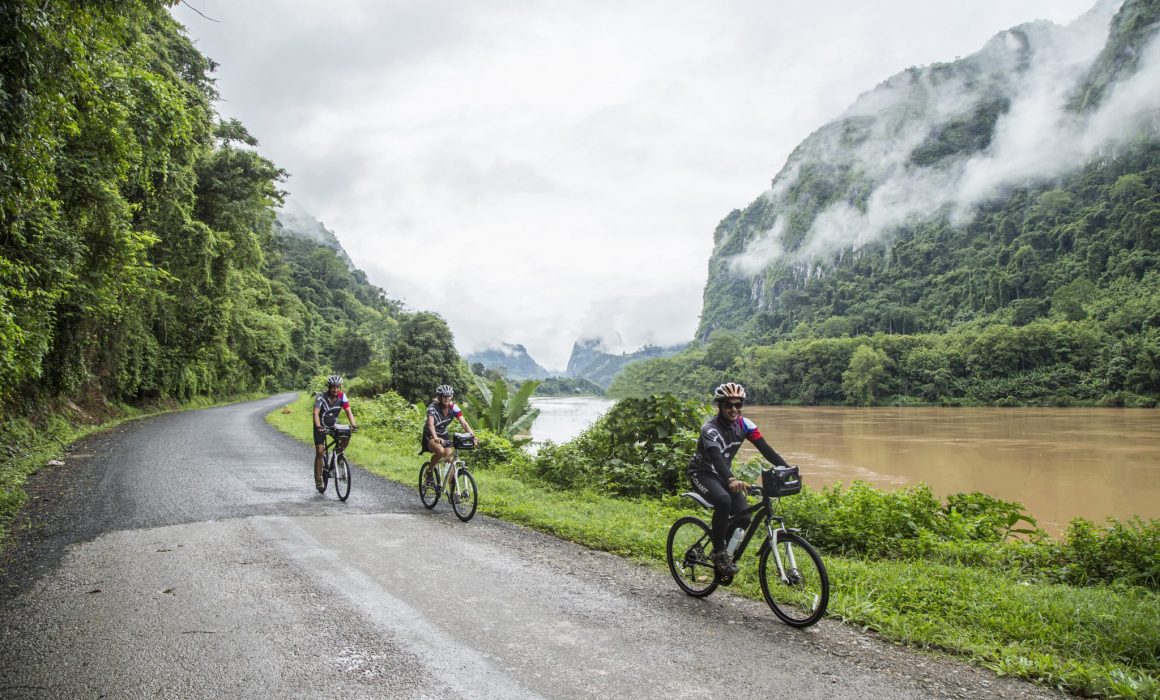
725 579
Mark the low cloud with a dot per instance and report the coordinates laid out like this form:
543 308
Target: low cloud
1036 138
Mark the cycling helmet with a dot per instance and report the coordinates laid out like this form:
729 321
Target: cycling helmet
729 390
444 390
333 380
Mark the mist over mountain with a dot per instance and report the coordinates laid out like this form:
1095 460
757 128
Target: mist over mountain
591 360
512 359
929 164
294 221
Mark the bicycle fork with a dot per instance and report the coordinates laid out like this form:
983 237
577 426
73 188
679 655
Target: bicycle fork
781 570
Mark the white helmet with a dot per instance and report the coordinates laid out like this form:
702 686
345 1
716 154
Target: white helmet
729 390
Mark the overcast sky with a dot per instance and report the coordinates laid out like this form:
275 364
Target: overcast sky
536 172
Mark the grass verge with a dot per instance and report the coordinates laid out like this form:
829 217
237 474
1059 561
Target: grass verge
1097 641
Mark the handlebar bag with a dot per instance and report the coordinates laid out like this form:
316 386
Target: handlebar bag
781 481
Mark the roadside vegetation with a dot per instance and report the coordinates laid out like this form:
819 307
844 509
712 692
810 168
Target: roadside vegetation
969 575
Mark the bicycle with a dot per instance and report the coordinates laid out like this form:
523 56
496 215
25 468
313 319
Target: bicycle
796 585
334 464
465 497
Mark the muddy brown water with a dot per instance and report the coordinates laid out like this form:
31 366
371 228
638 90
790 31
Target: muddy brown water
1059 463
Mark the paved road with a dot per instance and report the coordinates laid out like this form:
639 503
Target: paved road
188 555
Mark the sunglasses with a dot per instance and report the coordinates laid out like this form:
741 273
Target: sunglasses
734 404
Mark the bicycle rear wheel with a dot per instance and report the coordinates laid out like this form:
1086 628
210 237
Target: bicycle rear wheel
688 554
801 600
327 462
341 478
428 485
465 498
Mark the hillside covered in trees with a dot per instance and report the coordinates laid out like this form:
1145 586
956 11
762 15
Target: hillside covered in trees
140 258
982 231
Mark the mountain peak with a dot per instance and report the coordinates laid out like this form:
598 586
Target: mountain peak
510 358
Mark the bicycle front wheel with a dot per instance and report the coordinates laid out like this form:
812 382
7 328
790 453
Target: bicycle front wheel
428 485
688 554
465 498
800 599
341 478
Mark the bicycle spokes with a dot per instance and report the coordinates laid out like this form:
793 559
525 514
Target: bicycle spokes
687 554
794 580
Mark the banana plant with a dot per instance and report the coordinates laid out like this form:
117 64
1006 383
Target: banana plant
501 413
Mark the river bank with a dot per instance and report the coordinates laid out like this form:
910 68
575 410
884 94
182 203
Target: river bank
1059 463
1100 640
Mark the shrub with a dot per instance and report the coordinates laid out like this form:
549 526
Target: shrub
1124 551
639 448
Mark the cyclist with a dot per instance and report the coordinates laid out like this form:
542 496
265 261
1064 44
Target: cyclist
711 467
326 409
436 440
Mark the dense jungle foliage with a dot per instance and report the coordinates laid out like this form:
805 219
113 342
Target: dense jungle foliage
1045 362
139 259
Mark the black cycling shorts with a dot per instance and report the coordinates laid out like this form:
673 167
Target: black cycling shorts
423 442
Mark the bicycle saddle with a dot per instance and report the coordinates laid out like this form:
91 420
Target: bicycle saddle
699 499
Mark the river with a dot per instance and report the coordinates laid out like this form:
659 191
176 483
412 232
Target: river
1059 463
564 417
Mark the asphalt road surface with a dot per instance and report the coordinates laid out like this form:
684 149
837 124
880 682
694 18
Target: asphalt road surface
188 555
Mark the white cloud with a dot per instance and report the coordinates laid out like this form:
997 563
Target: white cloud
538 171
1037 137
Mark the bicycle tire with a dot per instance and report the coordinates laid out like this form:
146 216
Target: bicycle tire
429 485
342 478
688 556
327 458
802 601
468 497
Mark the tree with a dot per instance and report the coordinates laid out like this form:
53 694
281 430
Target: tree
501 413
865 378
723 349
1068 300
423 356
351 352
835 327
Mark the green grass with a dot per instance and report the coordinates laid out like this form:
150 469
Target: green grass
1100 641
26 446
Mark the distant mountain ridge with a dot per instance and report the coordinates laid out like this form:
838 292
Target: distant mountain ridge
590 360
511 358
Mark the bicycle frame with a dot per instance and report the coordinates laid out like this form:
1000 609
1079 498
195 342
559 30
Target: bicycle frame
762 515
445 465
332 450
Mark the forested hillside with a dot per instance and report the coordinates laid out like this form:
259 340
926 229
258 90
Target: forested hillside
139 257
985 231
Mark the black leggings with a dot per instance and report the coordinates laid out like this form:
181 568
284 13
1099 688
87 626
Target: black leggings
725 504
